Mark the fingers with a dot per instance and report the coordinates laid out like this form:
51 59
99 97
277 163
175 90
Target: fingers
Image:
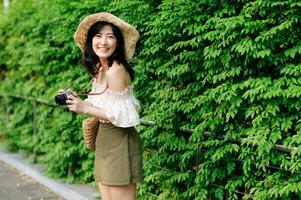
71 107
72 96
74 103
74 108
68 102
71 99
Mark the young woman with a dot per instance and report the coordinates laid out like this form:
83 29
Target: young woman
107 43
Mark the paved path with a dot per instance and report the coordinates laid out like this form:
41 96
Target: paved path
21 180
16 186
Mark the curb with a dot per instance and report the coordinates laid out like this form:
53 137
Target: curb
67 191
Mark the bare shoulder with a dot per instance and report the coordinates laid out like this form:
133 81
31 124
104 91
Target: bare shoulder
118 77
116 69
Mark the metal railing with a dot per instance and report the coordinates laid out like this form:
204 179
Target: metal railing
36 101
277 147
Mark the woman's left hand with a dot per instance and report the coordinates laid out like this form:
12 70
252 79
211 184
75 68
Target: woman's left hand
75 104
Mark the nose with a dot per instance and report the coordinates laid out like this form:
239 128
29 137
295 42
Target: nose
103 41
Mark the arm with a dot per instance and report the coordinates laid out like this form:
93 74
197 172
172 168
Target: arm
75 104
118 79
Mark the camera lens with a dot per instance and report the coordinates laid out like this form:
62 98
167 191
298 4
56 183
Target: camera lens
61 99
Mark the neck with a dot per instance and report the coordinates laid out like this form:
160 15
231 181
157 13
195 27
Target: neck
104 63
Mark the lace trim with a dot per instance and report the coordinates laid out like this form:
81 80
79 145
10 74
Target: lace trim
103 121
121 107
121 93
125 117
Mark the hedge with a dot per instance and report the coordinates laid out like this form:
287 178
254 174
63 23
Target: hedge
231 68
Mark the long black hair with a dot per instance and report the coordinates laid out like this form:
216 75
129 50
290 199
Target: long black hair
91 60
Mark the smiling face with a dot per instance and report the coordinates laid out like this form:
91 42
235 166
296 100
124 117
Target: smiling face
104 43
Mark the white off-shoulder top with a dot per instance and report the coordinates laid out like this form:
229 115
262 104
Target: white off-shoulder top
121 108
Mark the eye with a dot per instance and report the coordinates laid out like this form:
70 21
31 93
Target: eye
97 35
111 36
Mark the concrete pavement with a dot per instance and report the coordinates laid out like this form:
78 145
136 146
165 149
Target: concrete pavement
17 186
21 180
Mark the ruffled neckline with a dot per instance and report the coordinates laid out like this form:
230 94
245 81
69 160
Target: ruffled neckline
127 90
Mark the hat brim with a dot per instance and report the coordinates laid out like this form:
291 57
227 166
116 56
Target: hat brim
129 32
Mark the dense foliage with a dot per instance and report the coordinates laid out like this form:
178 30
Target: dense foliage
228 67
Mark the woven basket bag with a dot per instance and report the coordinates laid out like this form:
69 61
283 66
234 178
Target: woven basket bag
90 130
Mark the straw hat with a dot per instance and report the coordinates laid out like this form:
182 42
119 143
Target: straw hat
129 32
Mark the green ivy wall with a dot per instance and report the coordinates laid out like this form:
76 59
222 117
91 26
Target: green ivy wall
231 68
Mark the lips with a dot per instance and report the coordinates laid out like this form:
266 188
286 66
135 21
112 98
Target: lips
103 49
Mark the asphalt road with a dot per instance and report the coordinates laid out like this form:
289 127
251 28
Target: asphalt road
16 186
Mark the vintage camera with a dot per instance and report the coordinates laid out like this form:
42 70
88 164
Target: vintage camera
61 98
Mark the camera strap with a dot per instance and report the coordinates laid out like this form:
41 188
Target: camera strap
93 93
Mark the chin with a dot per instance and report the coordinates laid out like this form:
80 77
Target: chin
102 55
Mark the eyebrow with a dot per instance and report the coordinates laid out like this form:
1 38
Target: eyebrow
106 33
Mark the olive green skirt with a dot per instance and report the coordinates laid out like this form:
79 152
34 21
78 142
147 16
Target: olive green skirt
118 158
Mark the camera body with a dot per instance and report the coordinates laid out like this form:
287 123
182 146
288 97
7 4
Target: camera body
61 98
